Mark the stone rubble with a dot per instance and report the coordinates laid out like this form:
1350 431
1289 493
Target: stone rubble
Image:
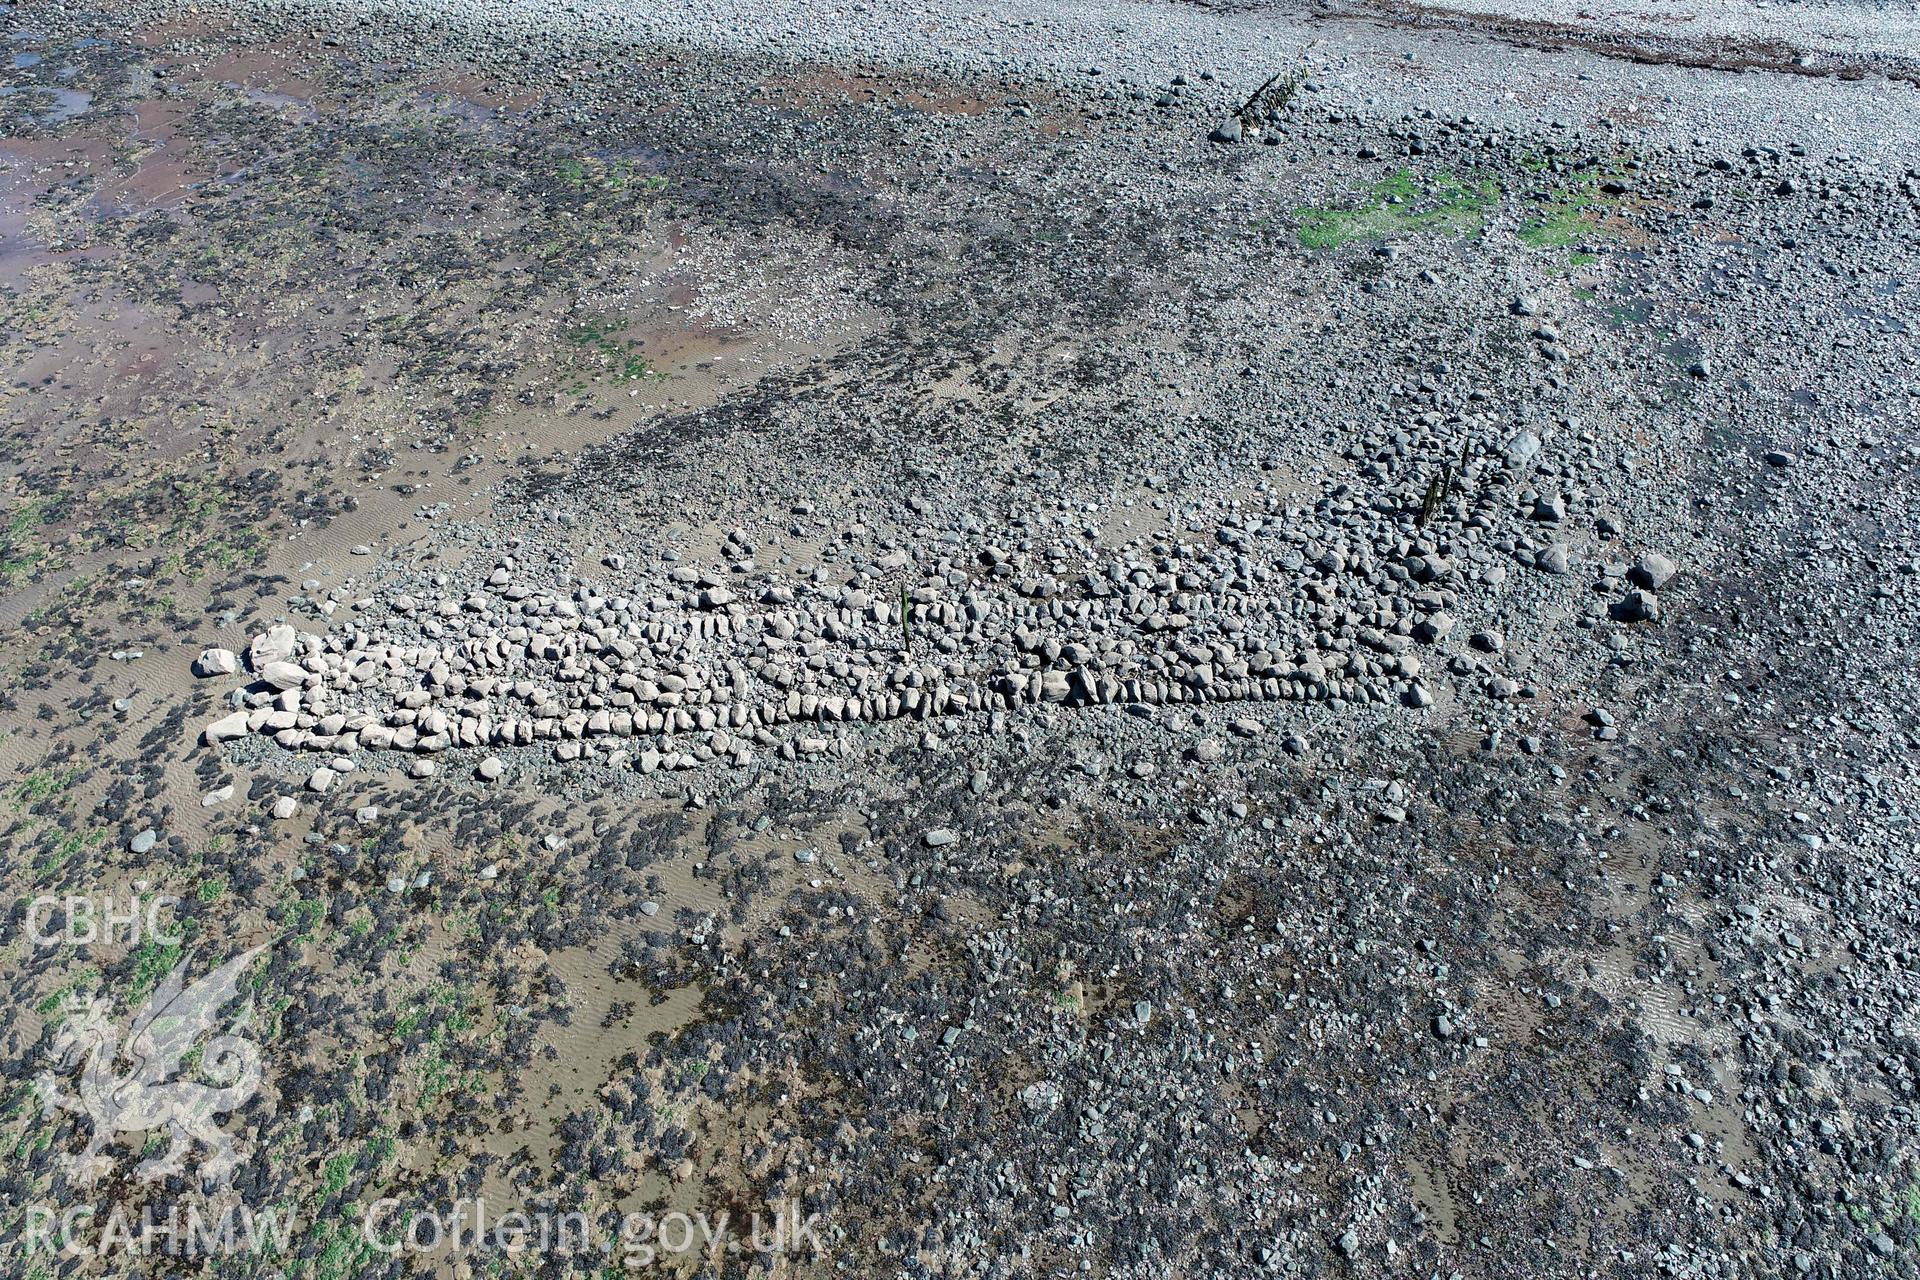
689 667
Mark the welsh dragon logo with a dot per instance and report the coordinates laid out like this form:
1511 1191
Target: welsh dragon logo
148 1095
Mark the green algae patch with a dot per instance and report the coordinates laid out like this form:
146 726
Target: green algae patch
1400 205
1566 218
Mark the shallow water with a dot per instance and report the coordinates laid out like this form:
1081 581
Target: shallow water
67 103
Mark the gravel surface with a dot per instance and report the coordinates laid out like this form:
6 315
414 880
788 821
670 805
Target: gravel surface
1127 640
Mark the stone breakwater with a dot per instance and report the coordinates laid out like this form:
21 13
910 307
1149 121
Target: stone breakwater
1353 599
